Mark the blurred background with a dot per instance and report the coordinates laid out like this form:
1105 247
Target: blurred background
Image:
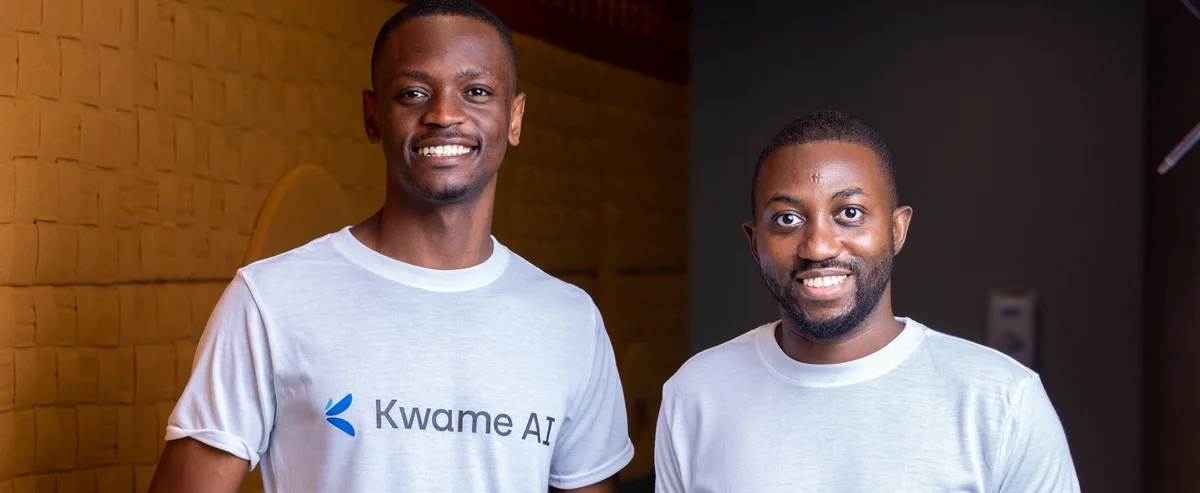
149 148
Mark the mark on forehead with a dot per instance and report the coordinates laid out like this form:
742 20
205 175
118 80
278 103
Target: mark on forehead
816 177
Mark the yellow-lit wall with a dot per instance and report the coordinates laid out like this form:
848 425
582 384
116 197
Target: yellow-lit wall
139 139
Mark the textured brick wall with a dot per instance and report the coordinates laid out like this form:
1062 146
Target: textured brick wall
139 138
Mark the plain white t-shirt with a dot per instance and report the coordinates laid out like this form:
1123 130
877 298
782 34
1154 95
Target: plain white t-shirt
927 413
340 369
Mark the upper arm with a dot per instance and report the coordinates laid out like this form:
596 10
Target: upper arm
229 400
594 442
1035 456
188 466
667 475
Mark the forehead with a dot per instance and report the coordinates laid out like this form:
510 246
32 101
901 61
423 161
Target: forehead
814 170
441 45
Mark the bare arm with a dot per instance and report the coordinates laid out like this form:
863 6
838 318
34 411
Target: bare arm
610 485
189 466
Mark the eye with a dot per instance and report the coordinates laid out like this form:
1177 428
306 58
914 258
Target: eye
477 95
787 220
852 214
410 95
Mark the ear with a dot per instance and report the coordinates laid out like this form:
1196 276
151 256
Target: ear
748 227
518 112
369 122
900 220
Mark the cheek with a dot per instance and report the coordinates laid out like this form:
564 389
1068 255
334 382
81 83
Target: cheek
869 241
776 254
495 128
393 123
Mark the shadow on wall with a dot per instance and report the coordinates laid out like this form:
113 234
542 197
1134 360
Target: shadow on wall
306 203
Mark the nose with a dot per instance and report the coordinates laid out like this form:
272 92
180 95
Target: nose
444 110
820 241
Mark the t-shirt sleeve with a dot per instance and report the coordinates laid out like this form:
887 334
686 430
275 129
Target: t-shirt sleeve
668 477
594 443
1034 452
229 400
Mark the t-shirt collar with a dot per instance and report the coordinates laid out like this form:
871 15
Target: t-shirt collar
451 280
834 375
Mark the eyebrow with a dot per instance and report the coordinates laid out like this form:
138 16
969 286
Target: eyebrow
840 194
467 73
470 73
848 192
785 199
415 74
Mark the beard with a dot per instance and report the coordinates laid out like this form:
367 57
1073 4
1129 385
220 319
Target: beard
446 193
870 281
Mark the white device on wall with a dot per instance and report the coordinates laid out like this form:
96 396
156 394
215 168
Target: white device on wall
1012 324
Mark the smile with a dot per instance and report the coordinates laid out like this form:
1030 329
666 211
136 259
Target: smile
827 288
444 150
824 282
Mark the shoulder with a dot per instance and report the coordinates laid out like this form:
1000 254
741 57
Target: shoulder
973 371
974 362
316 252
298 275
529 282
720 363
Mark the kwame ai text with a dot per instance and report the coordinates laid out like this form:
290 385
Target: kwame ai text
464 422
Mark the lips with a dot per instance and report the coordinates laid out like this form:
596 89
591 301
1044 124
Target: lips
823 284
452 150
445 148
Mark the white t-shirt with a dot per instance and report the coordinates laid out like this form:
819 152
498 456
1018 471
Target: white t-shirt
341 369
927 413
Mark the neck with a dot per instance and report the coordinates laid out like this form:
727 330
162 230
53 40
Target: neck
434 236
875 332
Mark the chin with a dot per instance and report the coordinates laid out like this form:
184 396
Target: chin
445 194
824 317
433 188
824 310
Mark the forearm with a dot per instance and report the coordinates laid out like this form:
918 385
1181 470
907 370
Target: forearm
188 466
610 485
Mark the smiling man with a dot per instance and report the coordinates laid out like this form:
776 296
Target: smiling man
412 352
840 395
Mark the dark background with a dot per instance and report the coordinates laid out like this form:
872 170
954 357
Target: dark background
1024 135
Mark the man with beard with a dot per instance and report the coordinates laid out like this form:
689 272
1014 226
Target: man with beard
412 352
840 395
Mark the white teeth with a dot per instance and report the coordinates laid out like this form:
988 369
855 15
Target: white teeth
824 282
451 150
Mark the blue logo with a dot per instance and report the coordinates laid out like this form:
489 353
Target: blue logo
333 410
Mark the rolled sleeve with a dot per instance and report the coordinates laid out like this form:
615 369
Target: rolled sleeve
229 400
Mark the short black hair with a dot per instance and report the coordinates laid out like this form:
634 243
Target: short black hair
457 8
823 126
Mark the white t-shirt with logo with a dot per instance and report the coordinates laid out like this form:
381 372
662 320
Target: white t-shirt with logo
341 369
927 413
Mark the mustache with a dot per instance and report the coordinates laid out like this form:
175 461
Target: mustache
825 264
448 135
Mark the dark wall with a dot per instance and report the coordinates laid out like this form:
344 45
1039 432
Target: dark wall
1017 132
1173 252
